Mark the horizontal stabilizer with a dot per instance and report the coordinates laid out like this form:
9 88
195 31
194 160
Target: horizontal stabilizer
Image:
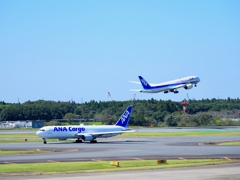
135 82
137 90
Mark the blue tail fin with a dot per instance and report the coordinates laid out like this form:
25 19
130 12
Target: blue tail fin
144 83
125 117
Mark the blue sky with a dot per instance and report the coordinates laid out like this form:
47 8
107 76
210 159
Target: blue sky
81 50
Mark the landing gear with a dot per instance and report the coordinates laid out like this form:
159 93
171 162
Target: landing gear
195 85
165 92
44 141
175 91
93 141
78 141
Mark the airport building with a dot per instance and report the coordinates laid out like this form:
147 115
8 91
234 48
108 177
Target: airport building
21 124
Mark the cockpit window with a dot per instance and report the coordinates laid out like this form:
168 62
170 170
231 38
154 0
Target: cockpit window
41 129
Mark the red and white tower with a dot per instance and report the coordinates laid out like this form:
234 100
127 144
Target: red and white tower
184 105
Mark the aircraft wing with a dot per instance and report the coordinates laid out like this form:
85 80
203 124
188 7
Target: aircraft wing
102 133
151 84
179 86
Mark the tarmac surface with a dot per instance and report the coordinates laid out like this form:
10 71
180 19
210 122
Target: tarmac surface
126 148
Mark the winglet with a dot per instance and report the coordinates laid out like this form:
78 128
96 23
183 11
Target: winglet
125 117
144 83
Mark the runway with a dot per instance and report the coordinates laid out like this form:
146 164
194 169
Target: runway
118 148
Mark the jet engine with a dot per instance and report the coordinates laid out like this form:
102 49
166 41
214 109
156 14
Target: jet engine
87 137
189 86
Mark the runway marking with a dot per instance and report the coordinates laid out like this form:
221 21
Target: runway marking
10 163
139 159
182 158
71 150
98 160
227 158
52 161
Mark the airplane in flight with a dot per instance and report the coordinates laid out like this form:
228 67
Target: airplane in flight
169 86
87 133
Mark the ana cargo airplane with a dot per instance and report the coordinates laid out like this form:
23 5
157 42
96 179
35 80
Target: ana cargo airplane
87 133
169 86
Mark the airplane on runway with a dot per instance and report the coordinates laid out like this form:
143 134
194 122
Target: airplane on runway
169 86
87 133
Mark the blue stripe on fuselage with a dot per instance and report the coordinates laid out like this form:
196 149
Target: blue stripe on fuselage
162 86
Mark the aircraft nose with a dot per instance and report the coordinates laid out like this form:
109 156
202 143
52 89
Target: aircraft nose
38 133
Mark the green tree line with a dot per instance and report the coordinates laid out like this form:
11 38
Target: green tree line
145 112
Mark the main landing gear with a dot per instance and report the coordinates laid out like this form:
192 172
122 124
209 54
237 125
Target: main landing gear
78 141
44 141
93 141
175 91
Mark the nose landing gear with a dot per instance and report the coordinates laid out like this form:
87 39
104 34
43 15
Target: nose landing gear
44 141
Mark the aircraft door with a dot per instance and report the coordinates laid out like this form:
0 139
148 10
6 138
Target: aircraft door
50 131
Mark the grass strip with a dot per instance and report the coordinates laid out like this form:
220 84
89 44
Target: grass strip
101 166
229 144
31 140
147 134
15 152
18 135
144 134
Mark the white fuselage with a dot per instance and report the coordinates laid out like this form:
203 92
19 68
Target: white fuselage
169 85
65 132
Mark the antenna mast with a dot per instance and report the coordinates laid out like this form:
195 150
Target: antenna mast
133 98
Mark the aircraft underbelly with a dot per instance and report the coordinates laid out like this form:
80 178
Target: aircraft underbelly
61 135
106 135
157 90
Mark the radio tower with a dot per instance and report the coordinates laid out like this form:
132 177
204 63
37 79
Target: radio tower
109 95
133 98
